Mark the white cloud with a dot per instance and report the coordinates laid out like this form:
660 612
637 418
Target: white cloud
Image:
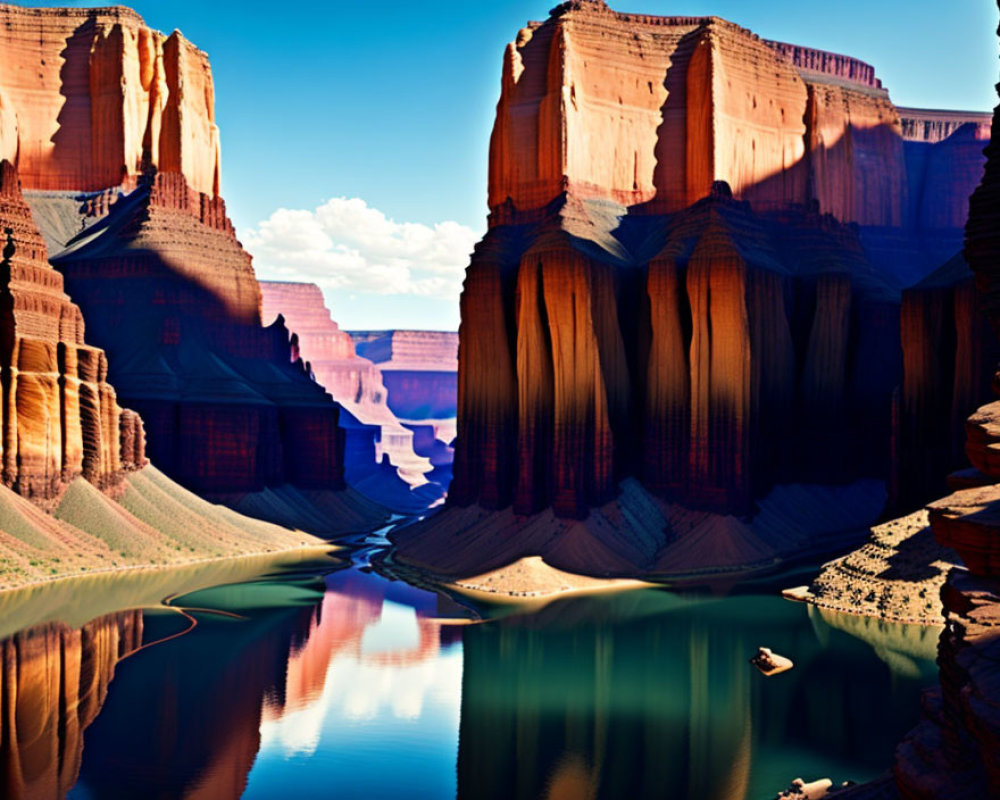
347 245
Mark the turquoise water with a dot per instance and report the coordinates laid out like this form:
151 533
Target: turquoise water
345 684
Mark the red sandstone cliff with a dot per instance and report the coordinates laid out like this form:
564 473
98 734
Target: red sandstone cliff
89 96
60 416
616 322
92 101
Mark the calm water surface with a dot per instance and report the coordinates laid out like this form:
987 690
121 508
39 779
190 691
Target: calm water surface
342 683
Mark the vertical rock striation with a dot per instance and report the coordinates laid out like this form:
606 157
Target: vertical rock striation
89 96
60 417
680 280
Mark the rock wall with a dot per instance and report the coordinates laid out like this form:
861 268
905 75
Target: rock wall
954 751
712 352
176 305
673 285
54 683
90 96
372 430
60 417
948 353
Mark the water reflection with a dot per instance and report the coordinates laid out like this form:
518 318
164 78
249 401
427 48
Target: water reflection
350 685
54 683
644 695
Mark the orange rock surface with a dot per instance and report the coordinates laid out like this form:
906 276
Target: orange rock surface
638 109
60 416
89 96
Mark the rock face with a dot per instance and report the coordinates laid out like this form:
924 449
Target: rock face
60 418
948 353
420 372
670 286
112 127
954 751
55 681
89 96
176 305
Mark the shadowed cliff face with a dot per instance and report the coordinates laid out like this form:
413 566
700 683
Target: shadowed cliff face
713 352
668 288
175 301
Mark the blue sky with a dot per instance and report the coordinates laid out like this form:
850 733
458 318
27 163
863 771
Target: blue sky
389 106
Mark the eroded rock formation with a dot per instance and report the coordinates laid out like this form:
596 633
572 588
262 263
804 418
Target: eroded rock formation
954 751
60 418
669 287
90 96
372 431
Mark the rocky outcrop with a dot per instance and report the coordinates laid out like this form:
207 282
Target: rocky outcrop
90 96
54 682
954 751
177 308
60 418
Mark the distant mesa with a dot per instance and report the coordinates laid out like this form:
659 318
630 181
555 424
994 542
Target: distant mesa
690 287
410 424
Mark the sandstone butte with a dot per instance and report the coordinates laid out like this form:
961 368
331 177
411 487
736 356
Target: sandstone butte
691 277
112 128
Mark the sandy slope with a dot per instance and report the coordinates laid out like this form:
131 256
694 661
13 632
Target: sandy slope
634 536
153 522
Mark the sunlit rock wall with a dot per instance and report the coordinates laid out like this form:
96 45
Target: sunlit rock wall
60 417
87 96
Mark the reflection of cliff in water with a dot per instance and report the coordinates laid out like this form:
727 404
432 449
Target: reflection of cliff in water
53 685
649 695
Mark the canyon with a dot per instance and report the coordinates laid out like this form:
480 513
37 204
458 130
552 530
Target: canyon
400 411
112 128
691 286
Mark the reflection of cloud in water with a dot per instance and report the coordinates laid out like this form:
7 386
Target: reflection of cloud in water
367 661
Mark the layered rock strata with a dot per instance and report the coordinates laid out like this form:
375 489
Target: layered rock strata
177 307
90 96
689 272
60 416
113 128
